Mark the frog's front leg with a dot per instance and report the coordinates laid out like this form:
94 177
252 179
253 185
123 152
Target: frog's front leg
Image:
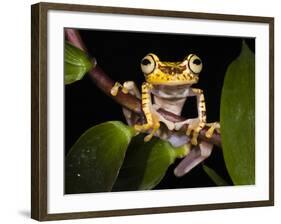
152 120
131 88
195 125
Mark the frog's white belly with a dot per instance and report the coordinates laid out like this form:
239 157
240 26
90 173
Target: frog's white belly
171 98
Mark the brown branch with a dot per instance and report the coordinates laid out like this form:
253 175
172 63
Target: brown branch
105 83
73 36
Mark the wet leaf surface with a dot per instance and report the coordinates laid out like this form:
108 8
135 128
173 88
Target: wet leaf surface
93 162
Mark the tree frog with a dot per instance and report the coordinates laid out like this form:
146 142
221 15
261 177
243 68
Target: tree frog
168 85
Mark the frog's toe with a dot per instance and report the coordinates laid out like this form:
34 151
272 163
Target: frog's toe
189 130
194 130
114 91
148 138
209 133
139 128
143 127
213 126
125 90
194 140
194 134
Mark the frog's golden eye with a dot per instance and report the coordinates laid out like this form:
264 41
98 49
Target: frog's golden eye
194 63
148 64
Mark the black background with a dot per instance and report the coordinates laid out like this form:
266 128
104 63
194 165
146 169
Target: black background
119 54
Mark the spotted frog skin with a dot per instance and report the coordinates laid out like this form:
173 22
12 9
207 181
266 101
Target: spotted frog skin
168 85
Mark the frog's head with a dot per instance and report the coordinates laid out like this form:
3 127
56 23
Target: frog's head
171 73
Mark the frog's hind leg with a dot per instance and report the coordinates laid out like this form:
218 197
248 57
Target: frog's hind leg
213 126
152 120
196 155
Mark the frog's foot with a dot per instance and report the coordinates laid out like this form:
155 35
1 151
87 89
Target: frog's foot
132 88
194 127
213 126
154 129
193 158
152 124
115 89
146 127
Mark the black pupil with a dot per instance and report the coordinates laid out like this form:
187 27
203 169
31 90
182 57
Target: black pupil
197 61
145 61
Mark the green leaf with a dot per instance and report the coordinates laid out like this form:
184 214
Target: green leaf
76 63
237 116
146 163
218 180
93 163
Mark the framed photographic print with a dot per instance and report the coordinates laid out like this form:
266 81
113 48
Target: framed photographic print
138 111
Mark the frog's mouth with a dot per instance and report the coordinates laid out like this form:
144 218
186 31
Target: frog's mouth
172 88
172 80
172 83
172 70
